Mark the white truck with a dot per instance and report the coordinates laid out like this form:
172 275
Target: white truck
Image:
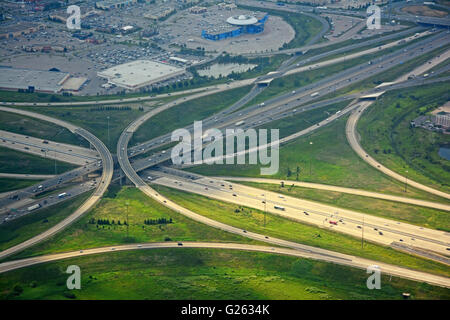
315 94
34 207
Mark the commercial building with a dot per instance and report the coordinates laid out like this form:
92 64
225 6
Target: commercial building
140 73
32 80
242 24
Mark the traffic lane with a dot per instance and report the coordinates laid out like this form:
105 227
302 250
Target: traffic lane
358 192
327 85
346 221
348 261
22 208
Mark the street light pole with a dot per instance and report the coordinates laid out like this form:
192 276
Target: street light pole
127 219
108 129
362 236
265 209
406 181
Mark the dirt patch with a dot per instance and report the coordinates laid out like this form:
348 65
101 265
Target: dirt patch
424 11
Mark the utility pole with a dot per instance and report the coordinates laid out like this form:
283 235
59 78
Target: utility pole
108 129
55 162
265 209
406 181
127 218
310 156
362 237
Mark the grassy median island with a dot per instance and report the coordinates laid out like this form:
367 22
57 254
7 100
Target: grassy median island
186 113
106 224
9 184
95 119
422 216
188 273
306 28
12 161
386 134
253 220
328 160
26 227
28 126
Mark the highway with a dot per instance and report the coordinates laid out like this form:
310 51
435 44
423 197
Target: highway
107 172
393 233
356 192
353 139
52 150
309 253
279 105
376 229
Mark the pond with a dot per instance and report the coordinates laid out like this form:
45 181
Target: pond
444 153
217 69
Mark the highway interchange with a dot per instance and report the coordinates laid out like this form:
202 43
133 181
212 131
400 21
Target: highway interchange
379 230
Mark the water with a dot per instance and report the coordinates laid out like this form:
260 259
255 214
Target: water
217 69
444 153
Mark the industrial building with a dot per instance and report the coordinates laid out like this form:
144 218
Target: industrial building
245 24
140 73
37 80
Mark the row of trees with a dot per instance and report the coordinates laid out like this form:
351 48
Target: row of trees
106 222
158 221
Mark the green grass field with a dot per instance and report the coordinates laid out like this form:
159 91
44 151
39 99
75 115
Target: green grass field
253 220
186 113
95 119
328 160
204 274
7 184
24 228
83 234
305 27
12 161
426 217
39 129
386 134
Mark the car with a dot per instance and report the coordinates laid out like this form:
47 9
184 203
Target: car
234 195
244 231
380 233
180 244
81 251
139 245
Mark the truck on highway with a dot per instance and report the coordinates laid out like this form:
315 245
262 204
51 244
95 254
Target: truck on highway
315 94
62 195
34 207
279 208
333 222
239 123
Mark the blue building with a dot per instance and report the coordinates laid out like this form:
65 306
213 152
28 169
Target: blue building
246 24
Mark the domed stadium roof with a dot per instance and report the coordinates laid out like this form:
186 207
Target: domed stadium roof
242 20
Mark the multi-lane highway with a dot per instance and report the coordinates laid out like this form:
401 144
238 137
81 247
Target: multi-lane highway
107 172
375 229
50 149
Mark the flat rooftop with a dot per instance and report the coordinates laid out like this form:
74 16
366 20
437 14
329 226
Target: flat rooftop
47 81
140 73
